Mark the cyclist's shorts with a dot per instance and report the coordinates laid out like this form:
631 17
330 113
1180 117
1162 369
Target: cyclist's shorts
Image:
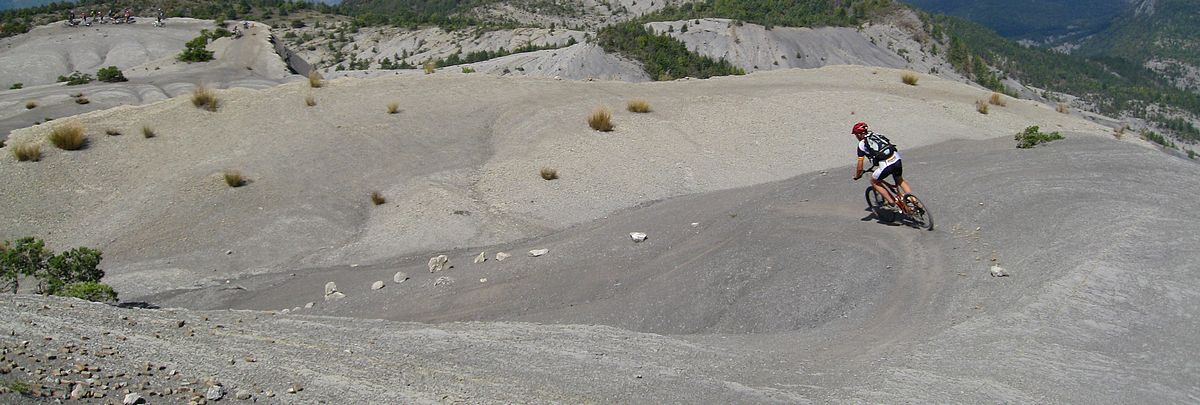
891 166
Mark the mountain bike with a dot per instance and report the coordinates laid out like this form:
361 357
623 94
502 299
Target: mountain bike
911 211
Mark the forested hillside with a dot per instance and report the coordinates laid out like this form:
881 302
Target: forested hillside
1032 19
1167 29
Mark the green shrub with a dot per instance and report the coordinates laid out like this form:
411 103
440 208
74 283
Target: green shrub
16 86
20 387
467 70
91 291
1031 137
25 257
1159 139
110 74
76 78
196 50
79 265
73 273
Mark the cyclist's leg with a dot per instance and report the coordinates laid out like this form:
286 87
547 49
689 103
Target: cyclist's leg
876 182
898 176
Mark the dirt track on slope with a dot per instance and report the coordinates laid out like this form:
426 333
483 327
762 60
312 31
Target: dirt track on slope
797 272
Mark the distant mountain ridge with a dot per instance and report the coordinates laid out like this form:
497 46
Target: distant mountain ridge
14 4
1037 20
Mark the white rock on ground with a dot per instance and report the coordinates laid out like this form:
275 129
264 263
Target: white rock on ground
538 252
438 263
998 271
330 288
310 305
399 277
377 285
215 393
500 256
637 236
443 281
481 258
133 398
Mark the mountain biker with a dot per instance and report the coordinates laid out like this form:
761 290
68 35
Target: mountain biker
884 156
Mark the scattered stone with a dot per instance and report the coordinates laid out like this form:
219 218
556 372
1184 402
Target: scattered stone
483 280
180 323
270 394
309 305
637 236
335 296
998 271
481 258
500 256
438 263
399 277
695 224
330 289
78 392
294 389
286 310
377 285
443 281
228 252
538 252
215 393
133 398
243 395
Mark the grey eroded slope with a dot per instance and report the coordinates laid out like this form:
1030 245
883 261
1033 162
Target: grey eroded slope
333 360
144 53
1096 233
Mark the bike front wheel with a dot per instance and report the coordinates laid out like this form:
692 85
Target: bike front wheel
918 212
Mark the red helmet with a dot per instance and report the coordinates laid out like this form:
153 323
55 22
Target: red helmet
859 128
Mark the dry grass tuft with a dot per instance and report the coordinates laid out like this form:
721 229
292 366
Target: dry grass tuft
310 100
638 106
601 119
997 99
112 132
147 132
377 198
1062 108
29 105
1119 132
234 178
82 100
205 98
549 174
981 106
315 80
27 152
68 136
909 79
393 107
429 68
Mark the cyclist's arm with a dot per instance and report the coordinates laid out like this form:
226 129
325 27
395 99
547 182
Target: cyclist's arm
858 168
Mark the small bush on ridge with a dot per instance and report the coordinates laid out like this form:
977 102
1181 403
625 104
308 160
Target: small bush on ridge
638 106
1031 137
27 152
68 136
601 119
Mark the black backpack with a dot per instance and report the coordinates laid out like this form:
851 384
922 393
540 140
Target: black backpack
879 147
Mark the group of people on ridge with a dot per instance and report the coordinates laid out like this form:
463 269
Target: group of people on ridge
96 16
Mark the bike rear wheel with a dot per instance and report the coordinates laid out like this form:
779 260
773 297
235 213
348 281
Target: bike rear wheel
918 212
